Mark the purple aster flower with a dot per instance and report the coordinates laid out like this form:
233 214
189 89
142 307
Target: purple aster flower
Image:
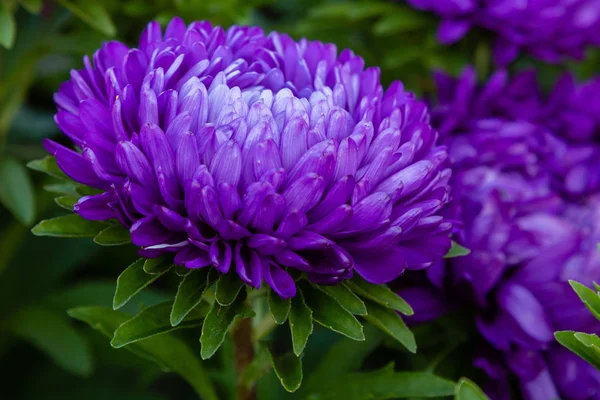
238 150
529 229
546 29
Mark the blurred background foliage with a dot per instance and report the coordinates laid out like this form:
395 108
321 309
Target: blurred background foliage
46 355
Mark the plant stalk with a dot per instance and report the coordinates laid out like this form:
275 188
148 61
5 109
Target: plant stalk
244 354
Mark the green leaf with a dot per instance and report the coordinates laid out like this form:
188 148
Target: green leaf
278 307
345 298
115 235
131 282
53 334
331 315
158 265
66 202
380 294
288 369
48 166
92 14
590 298
301 325
8 26
16 189
584 345
189 295
33 6
386 384
168 351
467 390
65 188
217 323
228 288
457 251
597 287
68 226
344 356
84 190
152 321
391 323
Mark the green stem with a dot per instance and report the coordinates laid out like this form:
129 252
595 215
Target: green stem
244 354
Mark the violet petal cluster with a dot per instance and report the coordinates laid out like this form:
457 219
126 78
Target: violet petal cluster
255 153
549 30
528 214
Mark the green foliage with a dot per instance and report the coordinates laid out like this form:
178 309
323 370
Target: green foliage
69 226
114 235
301 323
217 323
228 288
132 281
386 384
390 322
586 346
189 295
169 352
457 251
16 189
288 368
380 294
52 333
467 390
279 308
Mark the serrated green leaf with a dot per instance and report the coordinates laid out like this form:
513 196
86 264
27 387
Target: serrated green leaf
391 323
584 345
189 295
91 13
344 296
590 298
344 356
8 26
16 190
152 321
48 166
217 323
66 202
467 390
386 384
331 315
288 369
380 294
301 323
457 251
68 226
52 333
131 282
115 235
168 351
228 288
278 307
157 265
33 6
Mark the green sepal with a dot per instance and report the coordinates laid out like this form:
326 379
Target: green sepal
152 321
278 307
114 235
391 323
71 226
131 282
380 294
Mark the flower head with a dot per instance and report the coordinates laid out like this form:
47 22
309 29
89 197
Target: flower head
233 149
548 29
528 229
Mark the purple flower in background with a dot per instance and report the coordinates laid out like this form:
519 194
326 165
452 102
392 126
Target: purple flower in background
237 150
526 203
546 29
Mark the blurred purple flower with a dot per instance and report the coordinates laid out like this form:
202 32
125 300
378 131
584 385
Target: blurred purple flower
529 227
235 148
546 29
